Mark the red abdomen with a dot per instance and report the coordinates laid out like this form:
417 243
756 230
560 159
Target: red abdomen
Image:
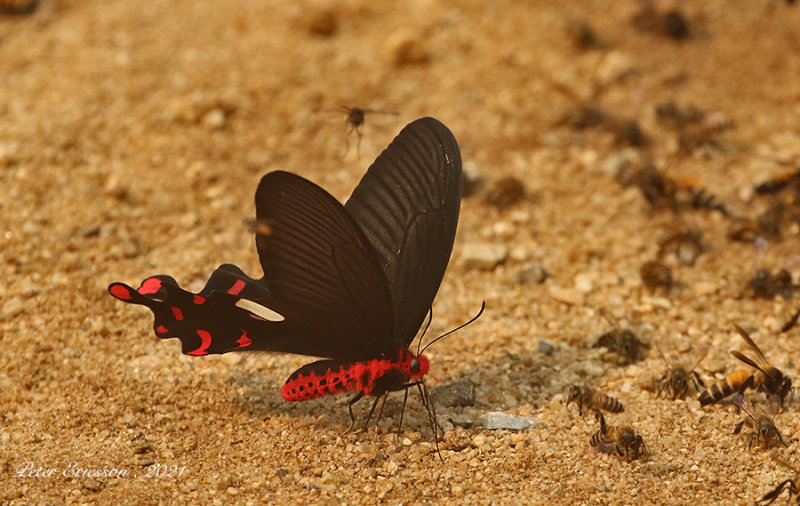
330 377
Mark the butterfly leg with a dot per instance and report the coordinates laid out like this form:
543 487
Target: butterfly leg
402 411
372 410
432 416
354 400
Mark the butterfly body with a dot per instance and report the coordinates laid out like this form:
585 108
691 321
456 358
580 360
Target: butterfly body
371 377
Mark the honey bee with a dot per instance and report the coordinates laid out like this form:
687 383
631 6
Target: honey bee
18 7
678 378
591 399
655 275
789 484
700 198
767 378
764 429
623 439
657 189
677 117
767 286
621 341
505 192
685 241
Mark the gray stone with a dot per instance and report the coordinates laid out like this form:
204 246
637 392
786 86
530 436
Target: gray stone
458 393
546 347
497 421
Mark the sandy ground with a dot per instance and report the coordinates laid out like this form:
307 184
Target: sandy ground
132 137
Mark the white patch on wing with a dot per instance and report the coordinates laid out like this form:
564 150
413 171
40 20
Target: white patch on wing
259 311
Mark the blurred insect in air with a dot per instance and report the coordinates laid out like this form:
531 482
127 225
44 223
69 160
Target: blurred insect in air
355 117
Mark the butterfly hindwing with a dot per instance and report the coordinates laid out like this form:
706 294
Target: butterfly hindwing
231 313
407 204
322 271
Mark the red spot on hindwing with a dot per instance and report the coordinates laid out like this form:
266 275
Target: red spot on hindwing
199 299
178 313
237 287
121 292
150 286
205 336
244 341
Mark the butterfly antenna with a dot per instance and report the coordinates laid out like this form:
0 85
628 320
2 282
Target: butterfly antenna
483 306
427 325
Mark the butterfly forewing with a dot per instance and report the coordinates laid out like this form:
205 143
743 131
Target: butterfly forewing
407 204
323 273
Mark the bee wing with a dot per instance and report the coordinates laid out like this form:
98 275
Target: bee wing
771 405
663 356
753 346
747 360
701 354
744 405
785 464
609 317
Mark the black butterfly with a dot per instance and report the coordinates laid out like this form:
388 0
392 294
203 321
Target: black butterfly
352 283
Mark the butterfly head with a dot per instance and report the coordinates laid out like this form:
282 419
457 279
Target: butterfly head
414 366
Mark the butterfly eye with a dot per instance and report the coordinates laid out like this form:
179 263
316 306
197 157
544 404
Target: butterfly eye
413 366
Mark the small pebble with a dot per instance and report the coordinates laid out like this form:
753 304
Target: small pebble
532 273
214 119
545 347
583 283
497 421
484 256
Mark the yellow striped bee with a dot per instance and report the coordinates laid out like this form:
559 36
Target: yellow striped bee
762 425
766 378
734 382
622 440
589 398
678 378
